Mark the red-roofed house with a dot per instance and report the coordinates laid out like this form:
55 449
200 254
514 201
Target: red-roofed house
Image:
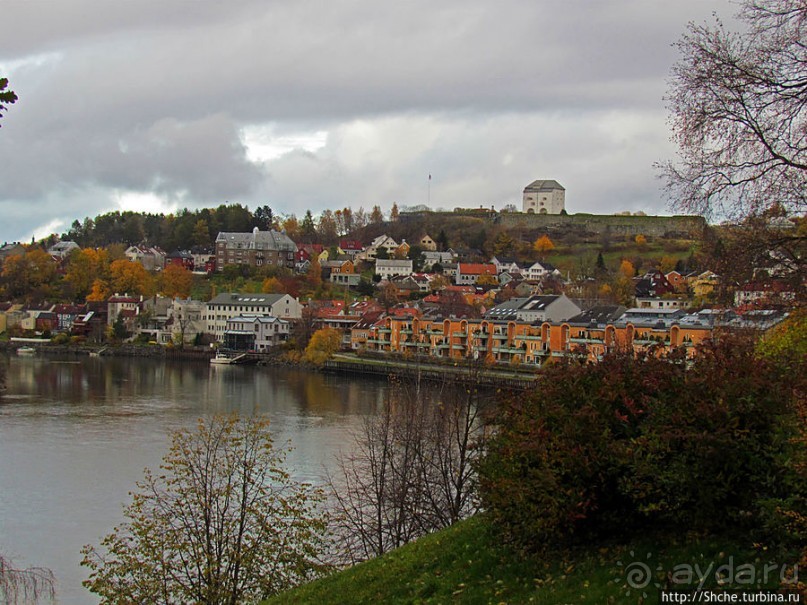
469 273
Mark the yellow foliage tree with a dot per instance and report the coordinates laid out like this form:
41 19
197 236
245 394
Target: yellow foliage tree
641 241
131 278
31 273
176 281
323 344
99 291
667 264
272 285
626 269
84 267
543 245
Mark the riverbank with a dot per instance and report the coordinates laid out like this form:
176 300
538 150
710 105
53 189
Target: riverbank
462 372
122 350
340 363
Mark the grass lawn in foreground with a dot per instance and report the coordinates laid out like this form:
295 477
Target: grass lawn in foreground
468 564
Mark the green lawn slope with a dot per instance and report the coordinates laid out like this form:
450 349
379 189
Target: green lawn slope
468 564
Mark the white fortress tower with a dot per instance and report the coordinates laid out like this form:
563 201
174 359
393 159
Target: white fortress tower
544 197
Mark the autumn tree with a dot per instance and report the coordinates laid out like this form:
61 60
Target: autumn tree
272 285
29 585
641 242
394 213
99 291
376 216
130 277
323 344
221 522
201 233
504 244
291 226
737 112
7 96
543 246
84 266
409 471
29 275
326 228
176 281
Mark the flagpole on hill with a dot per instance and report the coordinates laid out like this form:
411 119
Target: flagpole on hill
429 195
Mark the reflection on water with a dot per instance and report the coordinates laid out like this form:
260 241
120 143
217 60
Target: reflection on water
75 435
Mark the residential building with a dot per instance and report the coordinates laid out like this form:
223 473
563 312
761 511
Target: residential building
539 270
426 243
544 197
118 303
229 305
255 332
360 331
12 249
431 258
256 249
557 307
180 258
350 247
652 302
469 273
63 249
704 284
386 268
504 263
66 314
382 241
204 259
151 257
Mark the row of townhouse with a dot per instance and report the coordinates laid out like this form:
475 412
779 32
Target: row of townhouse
162 319
590 334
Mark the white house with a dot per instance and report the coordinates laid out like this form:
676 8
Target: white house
382 241
255 332
556 307
389 267
229 305
62 249
537 270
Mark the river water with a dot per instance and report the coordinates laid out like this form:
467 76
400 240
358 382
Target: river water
75 436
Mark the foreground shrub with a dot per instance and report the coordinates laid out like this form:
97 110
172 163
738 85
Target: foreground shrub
632 443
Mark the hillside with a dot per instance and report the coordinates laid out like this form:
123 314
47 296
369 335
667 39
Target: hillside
468 564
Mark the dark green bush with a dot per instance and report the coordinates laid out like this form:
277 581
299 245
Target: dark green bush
640 442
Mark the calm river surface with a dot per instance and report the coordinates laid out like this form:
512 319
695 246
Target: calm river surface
75 436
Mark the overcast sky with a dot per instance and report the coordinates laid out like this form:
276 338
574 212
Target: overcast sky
162 104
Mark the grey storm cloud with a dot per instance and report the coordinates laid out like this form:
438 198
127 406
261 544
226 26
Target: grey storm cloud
160 98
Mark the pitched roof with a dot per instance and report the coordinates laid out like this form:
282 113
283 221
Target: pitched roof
256 299
477 268
544 185
256 239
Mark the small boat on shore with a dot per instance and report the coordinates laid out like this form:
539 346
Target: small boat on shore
26 351
221 359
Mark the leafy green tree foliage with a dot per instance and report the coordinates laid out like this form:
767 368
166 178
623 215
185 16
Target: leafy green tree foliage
264 218
7 97
221 523
308 230
632 444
